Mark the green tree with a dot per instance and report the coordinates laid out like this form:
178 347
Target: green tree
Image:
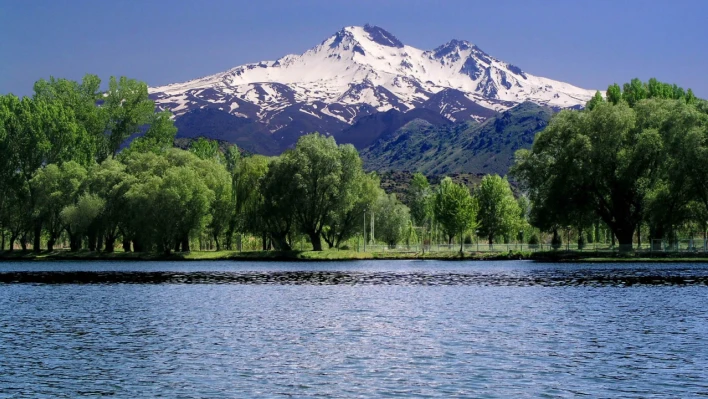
110 182
611 157
498 212
82 99
56 187
345 222
321 180
169 203
218 180
634 92
614 94
597 98
454 209
392 219
158 138
205 148
277 207
127 108
418 197
247 197
80 218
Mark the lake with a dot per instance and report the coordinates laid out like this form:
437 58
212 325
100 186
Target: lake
513 329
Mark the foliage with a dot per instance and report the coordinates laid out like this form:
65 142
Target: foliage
454 209
159 136
419 198
56 187
127 108
633 158
392 220
624 161
498 212
205 149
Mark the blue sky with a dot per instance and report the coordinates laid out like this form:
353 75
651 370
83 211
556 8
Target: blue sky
587 43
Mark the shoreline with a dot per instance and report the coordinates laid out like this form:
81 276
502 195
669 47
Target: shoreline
347 256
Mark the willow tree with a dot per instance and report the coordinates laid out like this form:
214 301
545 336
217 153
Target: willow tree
322 178
56 187
611 160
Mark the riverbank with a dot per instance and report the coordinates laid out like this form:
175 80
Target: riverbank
331 255
334 255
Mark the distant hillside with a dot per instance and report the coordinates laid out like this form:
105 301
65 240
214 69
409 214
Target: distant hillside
370 128
222 126
467 147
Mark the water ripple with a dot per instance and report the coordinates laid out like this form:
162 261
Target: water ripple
356 330
587 277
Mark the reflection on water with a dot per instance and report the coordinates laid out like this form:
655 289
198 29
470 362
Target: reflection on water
360 329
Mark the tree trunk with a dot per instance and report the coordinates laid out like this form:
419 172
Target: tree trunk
177 243
264 238
13 238
74 242
110 244
556 241
50 244
92 241
126 244
23 242
624 237
316 242
2 245
656 234
490 239
228 244
280 242
37 236
185 244
216 241
330 243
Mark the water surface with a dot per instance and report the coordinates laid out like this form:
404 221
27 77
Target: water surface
353 329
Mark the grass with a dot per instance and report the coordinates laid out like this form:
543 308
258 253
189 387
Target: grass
330 255
334 255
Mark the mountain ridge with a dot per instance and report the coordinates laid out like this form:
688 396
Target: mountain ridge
362 71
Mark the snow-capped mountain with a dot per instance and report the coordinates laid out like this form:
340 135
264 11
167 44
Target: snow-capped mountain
360 71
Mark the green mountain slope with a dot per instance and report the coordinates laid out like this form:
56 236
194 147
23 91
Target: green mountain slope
466 147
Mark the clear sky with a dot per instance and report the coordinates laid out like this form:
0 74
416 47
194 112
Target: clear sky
586 43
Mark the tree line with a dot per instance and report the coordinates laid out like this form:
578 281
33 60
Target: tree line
634 161
633 158
67 176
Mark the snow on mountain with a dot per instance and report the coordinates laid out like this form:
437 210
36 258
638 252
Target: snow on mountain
363 70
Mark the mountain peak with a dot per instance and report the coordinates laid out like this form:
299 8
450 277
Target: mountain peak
360 71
